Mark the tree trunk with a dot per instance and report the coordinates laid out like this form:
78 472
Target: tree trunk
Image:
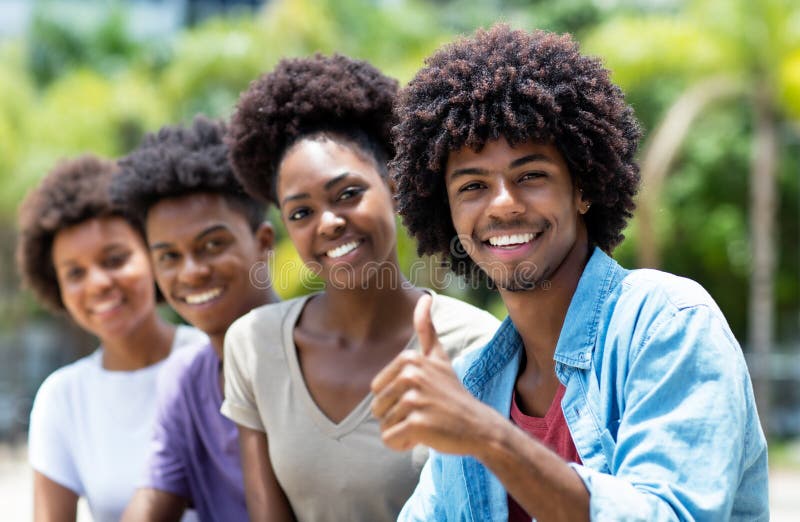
763 203
660 151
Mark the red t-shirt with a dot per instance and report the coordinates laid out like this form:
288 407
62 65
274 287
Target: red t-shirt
552 431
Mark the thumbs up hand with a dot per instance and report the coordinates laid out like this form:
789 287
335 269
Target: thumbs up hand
420 400
426 333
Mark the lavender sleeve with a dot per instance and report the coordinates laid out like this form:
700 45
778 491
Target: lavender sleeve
166 468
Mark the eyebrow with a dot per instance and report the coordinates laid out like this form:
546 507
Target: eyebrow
474 171
328 184
201 235
107 248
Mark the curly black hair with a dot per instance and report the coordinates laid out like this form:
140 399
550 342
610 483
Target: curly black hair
74 191
176 161
521 86
327 96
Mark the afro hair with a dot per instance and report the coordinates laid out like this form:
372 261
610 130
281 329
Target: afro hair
74 191
521 86
176 161
335 96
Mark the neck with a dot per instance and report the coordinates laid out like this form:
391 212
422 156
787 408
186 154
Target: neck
366 313
538 314
258 299
218 343
149 343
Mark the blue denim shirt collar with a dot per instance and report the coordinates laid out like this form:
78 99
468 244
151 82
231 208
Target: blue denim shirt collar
582 322
506 347
578 335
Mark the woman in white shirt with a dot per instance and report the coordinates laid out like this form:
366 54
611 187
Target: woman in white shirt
91 420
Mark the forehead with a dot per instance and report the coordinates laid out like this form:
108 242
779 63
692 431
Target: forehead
183 217
310 163
92 236
499 155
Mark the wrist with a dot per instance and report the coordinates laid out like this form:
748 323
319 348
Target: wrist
493 437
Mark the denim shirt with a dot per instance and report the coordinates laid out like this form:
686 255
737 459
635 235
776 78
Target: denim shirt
658 401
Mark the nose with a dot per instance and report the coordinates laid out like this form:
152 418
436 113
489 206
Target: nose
330 224
192 271
505 203
98 280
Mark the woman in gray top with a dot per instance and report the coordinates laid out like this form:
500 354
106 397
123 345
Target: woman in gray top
312 136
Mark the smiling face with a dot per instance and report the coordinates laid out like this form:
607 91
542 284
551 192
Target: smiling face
104 277
516 211
338 212
203 252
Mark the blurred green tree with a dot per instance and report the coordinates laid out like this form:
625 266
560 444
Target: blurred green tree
737 55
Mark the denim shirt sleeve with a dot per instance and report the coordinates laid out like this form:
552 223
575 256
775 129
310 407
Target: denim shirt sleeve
424 505
440 494
688 441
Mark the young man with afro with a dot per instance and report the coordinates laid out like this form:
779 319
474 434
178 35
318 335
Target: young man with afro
607 394
209 246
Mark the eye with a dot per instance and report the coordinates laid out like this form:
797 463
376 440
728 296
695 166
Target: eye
350 192
166 257
528 176
299 213
213 244
74 274
116 259
468 187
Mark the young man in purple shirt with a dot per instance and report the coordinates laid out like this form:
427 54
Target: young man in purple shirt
209 244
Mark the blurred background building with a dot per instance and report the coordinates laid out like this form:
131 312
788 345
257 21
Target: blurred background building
146 18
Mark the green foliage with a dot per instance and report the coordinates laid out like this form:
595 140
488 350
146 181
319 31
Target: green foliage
15 105
210 66
789 85
55 48
702 219
639 49
396 38
564 16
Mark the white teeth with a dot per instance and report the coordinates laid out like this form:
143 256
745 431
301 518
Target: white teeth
515 239
203 297
342 250
105 307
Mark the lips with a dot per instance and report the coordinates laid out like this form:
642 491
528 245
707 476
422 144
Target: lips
343 249
512 240
106 306
198 298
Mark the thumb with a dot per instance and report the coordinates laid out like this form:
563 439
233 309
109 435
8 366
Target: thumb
423 325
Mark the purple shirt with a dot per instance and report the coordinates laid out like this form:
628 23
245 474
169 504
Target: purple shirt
195 449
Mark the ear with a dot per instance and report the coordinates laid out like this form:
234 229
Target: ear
265 237
390 182
582 202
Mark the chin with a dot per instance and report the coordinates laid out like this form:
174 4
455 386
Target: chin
113 332
343 278
517 286
521 283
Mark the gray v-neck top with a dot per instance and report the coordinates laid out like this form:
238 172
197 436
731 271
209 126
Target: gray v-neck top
328 471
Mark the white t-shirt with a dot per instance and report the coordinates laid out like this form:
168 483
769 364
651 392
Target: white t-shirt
90 427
